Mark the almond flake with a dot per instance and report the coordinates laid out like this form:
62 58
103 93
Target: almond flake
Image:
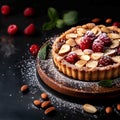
71 42
80 63
115 43
92 64
116 59
64 49
114 35
96 56
71 35
85 57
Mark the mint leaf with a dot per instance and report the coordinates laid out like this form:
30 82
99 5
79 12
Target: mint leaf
49 25
70 17
52 14
43 51
60 23
106 83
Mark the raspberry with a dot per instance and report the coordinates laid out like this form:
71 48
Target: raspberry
117 24
85 43
87 39
105 60
5 9
12 29
90 34
30 29
98 45
34 48
107 41
71 58
29 11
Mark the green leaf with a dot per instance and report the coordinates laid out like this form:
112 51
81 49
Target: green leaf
49 25
70 17
43 51
52 13
106 83
60 23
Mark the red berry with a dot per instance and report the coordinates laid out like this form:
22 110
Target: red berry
29 11
5 9
98 45
71 58
107 41
117 24
34 48
12 29
30 29
105 60
86 41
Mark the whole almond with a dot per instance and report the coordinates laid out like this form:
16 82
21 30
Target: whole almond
89 108
118 106
45 104
44 96
49 110
24 88
37 102
96 20
108 20
108 110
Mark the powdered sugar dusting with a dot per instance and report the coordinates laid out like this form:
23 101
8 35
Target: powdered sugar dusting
64 106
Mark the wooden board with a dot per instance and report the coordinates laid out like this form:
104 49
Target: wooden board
59 82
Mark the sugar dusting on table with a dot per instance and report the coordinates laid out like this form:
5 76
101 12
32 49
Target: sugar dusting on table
64 107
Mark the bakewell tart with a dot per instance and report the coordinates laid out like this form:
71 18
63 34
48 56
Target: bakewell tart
88 52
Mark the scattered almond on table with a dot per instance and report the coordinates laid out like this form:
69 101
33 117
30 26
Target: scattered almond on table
24 88
44 96
108 20
45 104
37 103
108 109
89 108
96 20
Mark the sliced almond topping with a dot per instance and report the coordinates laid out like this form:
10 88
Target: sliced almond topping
96 56
115 43
114 35
116 59
92 64
77 40
80 63
71 35
85 57
88 51
114 28
105 29
89 108
64 49
71 42
81 31
96 30
88 25
110 52
78 52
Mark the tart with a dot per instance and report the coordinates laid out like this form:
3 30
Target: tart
88 52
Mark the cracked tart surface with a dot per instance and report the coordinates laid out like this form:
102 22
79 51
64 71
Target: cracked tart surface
88 52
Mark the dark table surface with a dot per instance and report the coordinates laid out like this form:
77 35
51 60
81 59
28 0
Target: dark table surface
18 66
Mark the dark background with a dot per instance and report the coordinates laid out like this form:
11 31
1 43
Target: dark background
15 57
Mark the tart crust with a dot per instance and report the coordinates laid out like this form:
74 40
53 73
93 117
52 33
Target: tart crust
86 73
